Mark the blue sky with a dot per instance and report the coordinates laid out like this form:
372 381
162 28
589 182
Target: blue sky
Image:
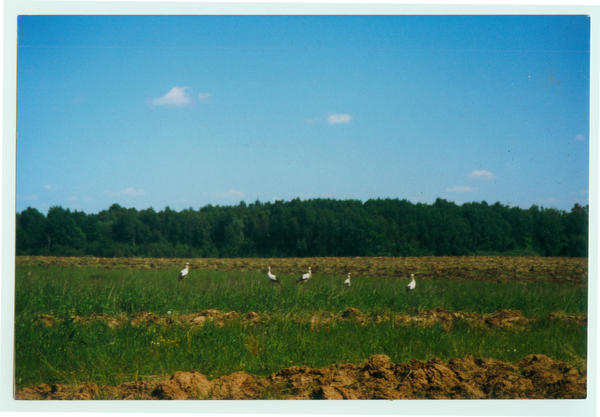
186 111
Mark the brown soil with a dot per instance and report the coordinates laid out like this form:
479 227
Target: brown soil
534 377
573 271
427 317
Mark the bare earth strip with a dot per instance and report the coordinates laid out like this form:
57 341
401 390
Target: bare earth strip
534 377
427 317
499 269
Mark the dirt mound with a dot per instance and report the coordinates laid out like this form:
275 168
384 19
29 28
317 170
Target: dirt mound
534 377
427 317
45 320
111 321
87 391
580 320
182 386
351 312
503 318
198 319
145 318
506 318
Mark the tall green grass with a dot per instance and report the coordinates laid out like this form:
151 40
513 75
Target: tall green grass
67 291
70 353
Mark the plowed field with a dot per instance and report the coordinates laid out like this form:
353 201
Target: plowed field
473 328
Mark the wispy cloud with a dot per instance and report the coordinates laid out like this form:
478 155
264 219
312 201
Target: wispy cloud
339 118
457 189
132 192
204 96
53 188
230 193
78 100
483 175
579 138
580 192
176 97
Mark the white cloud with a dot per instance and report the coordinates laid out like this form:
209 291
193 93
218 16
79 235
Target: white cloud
78 100
339 118
457 189
129 191
176 97
204 96
485 175
579 138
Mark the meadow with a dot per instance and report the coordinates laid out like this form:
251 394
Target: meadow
72 351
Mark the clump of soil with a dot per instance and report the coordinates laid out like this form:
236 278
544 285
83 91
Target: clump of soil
580 320
534 377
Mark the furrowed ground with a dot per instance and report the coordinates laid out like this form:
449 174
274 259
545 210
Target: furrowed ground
100 328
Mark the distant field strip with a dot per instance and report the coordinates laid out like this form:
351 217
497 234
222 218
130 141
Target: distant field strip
561 270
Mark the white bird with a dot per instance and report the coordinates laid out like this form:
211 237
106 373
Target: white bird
184 272
347 282
305 277
272 277
412 284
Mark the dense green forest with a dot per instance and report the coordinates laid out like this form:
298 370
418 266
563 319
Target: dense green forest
318 227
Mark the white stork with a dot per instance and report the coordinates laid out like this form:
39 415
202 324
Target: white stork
184 272
412 284
272 277
347 282
305 277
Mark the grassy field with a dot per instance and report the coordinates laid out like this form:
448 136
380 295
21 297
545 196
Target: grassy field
72 352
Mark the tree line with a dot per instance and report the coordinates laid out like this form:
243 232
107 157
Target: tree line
317 227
